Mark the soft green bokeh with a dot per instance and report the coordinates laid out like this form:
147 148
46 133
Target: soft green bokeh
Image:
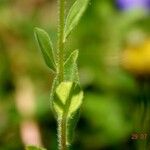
115 97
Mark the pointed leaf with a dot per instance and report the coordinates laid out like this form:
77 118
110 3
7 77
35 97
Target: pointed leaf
70 68
45 45
31 147
67 101
74 15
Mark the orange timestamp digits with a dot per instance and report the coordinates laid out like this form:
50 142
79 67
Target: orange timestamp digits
139 136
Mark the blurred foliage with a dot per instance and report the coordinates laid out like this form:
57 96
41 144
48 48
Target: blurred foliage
116 94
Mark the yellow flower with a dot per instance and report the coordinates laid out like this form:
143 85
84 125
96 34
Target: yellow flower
136 59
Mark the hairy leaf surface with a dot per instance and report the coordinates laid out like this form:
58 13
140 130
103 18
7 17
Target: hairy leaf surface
67 102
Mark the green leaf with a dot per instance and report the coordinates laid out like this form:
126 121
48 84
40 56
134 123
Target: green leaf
31 147
54 85
45 45
66 104
70 67
74 16
71 124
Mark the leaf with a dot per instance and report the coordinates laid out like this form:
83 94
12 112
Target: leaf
54 85
66 104
70 67
74 16
31 147
71 124
45 45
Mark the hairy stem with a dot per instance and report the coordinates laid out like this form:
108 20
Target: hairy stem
62 122
62 134
60 40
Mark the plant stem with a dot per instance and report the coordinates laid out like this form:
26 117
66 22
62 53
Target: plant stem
62 122
60 40
62 134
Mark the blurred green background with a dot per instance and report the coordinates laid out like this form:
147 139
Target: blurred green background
114 67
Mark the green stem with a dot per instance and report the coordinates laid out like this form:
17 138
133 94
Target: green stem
61 46
62 134
60 40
